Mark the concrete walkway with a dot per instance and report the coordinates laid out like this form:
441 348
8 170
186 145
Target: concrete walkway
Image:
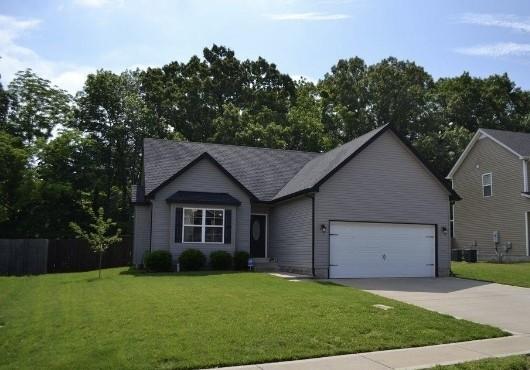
503 306
408 358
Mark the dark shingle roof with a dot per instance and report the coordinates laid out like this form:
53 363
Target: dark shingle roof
262 171
268 174
519 142
319 167
201 197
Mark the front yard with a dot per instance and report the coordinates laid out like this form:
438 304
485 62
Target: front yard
140 321
506 273
505 363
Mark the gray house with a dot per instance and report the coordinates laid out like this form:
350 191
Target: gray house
491 175
369 208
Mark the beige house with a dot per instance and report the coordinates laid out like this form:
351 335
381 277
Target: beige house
491 176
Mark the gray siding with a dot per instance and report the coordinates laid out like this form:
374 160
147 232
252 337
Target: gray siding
203 176
477 217
142 228
383 183
290 242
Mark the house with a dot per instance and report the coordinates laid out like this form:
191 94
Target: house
491 175
368 208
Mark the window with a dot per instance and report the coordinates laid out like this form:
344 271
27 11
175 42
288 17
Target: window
203 225
487 185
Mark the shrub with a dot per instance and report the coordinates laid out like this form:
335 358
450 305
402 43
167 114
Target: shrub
241 260
192 260
158 261
221 260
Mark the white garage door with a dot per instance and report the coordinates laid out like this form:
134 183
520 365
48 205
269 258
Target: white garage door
362 250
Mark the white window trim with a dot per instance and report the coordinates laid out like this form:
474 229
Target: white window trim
490 185
203 225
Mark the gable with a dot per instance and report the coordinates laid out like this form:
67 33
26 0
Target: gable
388 169
202 176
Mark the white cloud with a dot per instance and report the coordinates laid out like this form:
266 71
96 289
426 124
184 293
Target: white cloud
310 16
97 3
497 50
497 20
16 57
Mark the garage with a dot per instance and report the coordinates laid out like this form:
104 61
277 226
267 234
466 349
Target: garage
368 250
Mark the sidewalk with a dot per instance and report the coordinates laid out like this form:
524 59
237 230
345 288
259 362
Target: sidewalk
409 358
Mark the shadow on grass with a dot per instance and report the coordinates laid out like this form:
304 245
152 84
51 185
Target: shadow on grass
203 273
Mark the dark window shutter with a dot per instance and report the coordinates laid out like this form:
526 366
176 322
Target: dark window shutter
178 225
228 226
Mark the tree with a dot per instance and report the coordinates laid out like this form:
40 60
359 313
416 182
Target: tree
99 232
14 177
35 107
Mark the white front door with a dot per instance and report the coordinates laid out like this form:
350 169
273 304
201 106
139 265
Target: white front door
364 250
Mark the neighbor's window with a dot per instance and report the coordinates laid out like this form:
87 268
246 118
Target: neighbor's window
202 225
487 187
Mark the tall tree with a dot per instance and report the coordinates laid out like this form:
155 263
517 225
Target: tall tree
35 107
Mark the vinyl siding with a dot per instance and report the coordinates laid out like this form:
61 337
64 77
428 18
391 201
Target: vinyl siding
203 176
383 183
477 217
291 242
142 228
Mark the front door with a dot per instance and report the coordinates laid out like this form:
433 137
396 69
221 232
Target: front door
258 236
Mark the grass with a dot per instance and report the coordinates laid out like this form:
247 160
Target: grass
506 273
167 321
505 363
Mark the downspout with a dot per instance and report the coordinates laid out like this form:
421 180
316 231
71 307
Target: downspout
525 175
313 235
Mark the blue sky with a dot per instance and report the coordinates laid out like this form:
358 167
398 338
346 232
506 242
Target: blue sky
63 40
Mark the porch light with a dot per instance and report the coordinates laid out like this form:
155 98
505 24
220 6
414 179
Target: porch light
323 228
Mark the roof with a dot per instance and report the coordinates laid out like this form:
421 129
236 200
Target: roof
518 143
200 197
268 175
261 171
319 167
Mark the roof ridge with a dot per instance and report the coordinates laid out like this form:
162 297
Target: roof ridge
234 145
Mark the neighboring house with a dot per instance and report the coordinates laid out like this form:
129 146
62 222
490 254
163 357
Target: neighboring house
369 208
491 175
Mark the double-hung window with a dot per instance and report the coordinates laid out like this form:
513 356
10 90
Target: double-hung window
487 185
203 225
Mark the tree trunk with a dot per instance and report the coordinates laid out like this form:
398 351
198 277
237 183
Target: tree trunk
100 260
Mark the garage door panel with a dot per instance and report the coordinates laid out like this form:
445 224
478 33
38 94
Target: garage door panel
361 249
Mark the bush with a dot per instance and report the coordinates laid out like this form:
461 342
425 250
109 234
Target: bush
158 261
221 260
192 260
241 260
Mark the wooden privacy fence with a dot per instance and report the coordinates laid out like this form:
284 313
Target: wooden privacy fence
40 256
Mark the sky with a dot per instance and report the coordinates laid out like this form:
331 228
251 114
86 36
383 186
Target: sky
64 40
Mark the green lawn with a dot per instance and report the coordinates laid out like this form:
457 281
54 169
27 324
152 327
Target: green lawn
506 363
506 273
142 321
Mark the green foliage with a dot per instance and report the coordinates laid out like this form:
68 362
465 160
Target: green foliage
158 261
35 107
192 260
220 260
241 260
96 148
13 177
99 233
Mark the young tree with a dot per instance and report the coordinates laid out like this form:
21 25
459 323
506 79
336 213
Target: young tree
99 235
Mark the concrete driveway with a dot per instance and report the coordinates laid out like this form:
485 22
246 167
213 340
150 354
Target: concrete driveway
506 307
